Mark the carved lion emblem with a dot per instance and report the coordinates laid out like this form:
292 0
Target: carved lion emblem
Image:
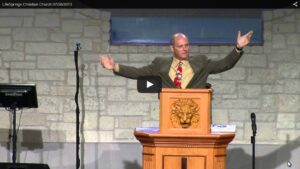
184 113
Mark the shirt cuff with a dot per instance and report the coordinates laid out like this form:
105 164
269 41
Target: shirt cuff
238 50
116 68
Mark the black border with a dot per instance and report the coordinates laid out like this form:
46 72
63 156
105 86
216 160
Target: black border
265 4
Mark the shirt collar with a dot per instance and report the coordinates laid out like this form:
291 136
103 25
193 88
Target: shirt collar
176 61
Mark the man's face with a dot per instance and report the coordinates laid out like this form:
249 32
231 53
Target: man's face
180 48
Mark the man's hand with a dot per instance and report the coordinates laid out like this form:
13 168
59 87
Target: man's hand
244 40
107 62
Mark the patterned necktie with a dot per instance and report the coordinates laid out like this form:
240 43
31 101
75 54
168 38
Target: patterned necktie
178 76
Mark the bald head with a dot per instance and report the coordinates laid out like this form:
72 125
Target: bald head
176 36
180 46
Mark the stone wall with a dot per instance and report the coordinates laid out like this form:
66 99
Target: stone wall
36 46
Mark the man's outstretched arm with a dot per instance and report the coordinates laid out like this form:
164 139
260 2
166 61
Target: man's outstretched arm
221 65
131 72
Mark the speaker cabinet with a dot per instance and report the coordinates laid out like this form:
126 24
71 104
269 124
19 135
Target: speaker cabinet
23 166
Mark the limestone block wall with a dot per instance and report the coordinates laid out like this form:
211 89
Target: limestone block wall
36 46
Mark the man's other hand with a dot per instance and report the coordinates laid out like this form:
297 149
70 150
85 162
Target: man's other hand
244 40
107 62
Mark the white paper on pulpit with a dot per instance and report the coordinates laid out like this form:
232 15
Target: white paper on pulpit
228 128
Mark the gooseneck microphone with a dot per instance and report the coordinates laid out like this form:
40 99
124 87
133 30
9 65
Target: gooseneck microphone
253 123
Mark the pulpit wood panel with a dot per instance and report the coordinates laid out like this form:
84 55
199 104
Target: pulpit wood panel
185 111
165 151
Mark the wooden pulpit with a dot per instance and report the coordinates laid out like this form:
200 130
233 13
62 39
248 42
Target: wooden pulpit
184 139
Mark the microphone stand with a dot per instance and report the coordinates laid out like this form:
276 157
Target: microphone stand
77 106
253 151
14 136
253 143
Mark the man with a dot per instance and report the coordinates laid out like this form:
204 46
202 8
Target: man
181 70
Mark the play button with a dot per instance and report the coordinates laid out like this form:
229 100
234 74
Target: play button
149 84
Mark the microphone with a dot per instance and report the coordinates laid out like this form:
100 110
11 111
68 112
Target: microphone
78 46
207 85
253 122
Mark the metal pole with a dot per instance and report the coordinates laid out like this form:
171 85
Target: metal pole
253 151
14 156
77 106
